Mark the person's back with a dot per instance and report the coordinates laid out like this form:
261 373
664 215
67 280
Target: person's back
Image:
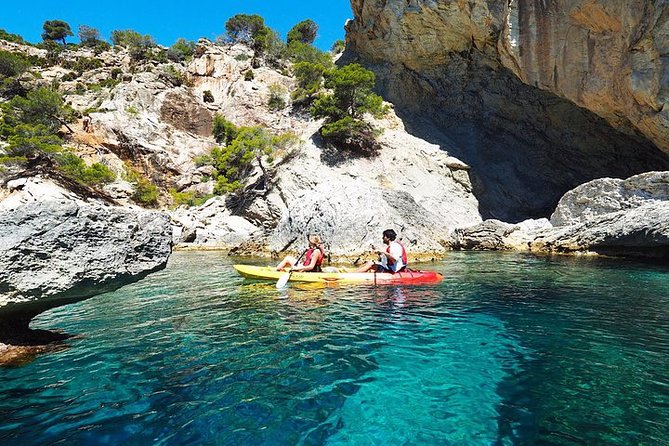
397 251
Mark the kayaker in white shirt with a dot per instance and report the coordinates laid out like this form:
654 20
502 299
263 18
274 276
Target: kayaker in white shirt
393 259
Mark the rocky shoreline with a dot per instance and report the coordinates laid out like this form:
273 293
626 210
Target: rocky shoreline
57 248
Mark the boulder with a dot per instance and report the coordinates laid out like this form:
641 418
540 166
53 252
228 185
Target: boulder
56 248
607 195
642 231
488 235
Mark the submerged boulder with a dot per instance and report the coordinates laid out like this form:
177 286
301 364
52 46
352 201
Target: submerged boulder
56 248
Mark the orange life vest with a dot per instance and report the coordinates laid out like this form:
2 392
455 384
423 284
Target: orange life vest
309 253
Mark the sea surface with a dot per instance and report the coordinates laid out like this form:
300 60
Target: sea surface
509 349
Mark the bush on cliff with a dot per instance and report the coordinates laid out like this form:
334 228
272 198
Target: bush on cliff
9 37
223 130
74 167
146 193
41 106
56 30
181 50
138 45
12 64
304 32
249 147
343 108
309 77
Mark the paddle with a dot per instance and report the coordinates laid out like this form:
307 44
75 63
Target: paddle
283 280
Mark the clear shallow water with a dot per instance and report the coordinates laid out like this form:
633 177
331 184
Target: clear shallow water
508 350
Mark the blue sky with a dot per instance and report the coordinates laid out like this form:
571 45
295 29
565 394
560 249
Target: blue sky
168 20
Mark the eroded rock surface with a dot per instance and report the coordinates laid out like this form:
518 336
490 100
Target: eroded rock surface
56 249
606 216
452 71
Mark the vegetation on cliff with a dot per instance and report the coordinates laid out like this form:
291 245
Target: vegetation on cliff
37 121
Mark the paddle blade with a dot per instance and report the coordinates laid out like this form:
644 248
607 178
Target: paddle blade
283 280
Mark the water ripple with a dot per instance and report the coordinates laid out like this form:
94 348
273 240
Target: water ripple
509 349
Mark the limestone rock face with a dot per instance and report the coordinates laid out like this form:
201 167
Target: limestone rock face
640 231
486 236
412 186
607 56
57 249
158 126
606 216
456 77
608 195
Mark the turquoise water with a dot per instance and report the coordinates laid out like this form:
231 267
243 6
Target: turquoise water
508 350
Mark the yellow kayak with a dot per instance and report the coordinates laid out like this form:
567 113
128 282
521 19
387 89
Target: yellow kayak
404 277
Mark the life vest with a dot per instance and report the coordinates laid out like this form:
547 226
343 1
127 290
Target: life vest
309 253
405 260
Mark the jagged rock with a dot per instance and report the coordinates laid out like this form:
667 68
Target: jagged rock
409 186
56 249
449 70
210 226
606 216
488 235
608 195
640 231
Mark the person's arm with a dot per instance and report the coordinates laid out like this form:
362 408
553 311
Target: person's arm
395 253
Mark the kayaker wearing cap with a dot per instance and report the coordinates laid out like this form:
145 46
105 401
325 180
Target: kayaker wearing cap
313 257
393 259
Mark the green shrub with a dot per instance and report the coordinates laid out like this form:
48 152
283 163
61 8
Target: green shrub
304 32
181 50
241 57
248 75
132 111
309 78
74 167
146 193
13 160
116 73
223 130
173 76
109 82
82 64
188 198
42 106
203 160
297 52
72 75
338 46
12 64
207 96
9 37
26 140
137 44
276 99
234 162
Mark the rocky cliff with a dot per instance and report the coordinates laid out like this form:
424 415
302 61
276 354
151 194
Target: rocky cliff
537 97
56 248
605 216
160 125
